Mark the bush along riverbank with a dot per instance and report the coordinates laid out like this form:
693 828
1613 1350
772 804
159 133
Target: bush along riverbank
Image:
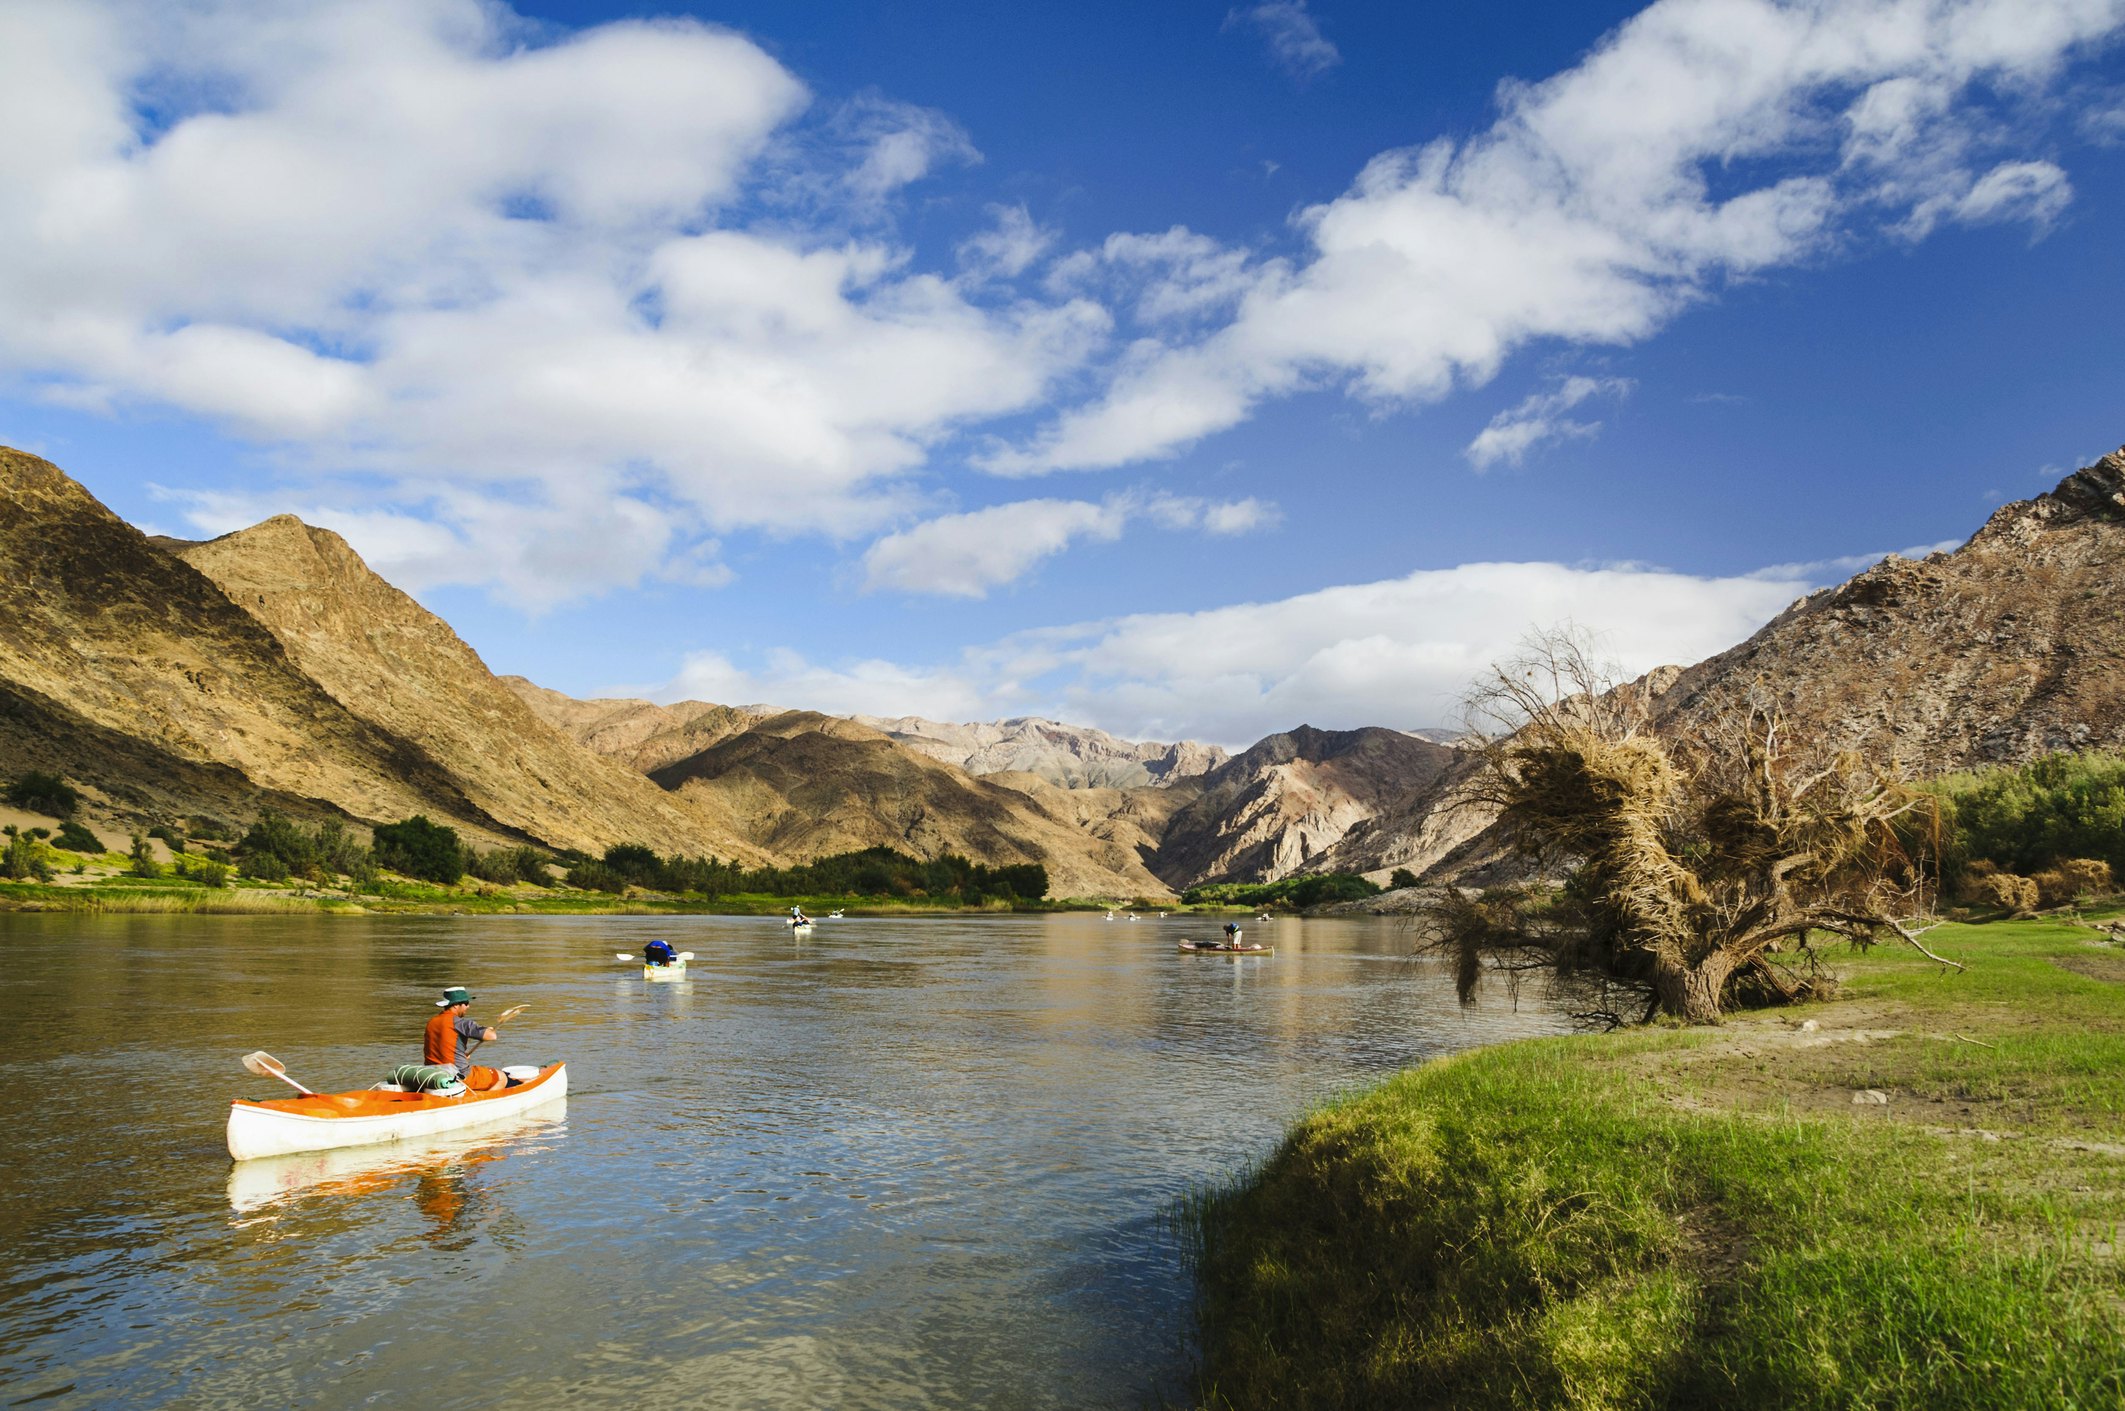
1910 1196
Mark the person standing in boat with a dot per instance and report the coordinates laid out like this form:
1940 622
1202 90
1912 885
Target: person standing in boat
445 1042
1232 935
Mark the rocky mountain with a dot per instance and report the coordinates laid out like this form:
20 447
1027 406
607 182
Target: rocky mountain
1074 756
402 669
639 734
271 668
1279 807
806 785
130 671
2010 647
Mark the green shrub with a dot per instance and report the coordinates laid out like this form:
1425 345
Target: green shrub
171 835
75 838
590 875
416 847
1313 890
26 859
263 866
1401 877
143 863
277 837
336 849
206 871
44 793
506 865
2030 816
640 865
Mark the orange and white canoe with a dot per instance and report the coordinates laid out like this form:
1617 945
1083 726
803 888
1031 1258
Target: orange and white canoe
321 1121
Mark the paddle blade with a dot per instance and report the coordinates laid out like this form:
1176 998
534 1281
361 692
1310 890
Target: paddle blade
624 955
265 1065
509 1014
686 955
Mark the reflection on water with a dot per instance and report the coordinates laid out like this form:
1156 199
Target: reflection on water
365 1170
915 1163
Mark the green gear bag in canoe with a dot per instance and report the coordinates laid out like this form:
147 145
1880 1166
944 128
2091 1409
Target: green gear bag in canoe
424 1077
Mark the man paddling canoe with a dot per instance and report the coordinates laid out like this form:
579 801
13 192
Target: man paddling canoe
443 1043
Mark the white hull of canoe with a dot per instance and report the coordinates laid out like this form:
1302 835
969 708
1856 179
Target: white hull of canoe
266 1131
802 928
263 1181
674 971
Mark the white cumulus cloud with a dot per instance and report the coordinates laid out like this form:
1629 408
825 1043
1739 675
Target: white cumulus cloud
966 555
1538 418
1694 145
492 274
1398 652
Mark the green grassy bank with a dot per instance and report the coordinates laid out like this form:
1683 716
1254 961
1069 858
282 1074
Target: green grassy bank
1676 1218
244 897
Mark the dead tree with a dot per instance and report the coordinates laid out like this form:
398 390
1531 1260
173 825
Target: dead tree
1687 860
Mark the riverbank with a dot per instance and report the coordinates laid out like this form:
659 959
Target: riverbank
242 897
1908 1197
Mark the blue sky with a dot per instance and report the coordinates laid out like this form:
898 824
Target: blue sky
1186 370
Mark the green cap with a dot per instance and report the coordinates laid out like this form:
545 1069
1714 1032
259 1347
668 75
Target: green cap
456 994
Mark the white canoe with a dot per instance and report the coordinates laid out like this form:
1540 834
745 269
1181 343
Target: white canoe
325 1120
265 1181
800 925
674 971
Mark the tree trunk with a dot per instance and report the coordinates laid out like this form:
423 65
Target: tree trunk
1691 992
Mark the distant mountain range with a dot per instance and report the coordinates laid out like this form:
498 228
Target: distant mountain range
272 668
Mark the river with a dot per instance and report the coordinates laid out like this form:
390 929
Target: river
903 1163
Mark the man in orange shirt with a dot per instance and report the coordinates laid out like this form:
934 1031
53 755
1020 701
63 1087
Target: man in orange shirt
444 1041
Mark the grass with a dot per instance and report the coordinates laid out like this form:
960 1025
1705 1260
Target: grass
113 891
1683 1218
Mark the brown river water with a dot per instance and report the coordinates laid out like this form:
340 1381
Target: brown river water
903 1163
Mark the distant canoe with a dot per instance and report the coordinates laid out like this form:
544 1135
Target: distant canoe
321 1121
1220 948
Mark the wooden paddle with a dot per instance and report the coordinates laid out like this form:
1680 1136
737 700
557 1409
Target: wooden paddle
505 1016
265 1065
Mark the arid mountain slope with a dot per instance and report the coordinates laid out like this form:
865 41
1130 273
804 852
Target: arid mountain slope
129 670
2008 648
639 734
1074 756
1276 808
1417 830
392 662
804 785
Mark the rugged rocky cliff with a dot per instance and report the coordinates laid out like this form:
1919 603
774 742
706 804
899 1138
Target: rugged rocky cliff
2008 648
1074 756
807 785
1279 807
